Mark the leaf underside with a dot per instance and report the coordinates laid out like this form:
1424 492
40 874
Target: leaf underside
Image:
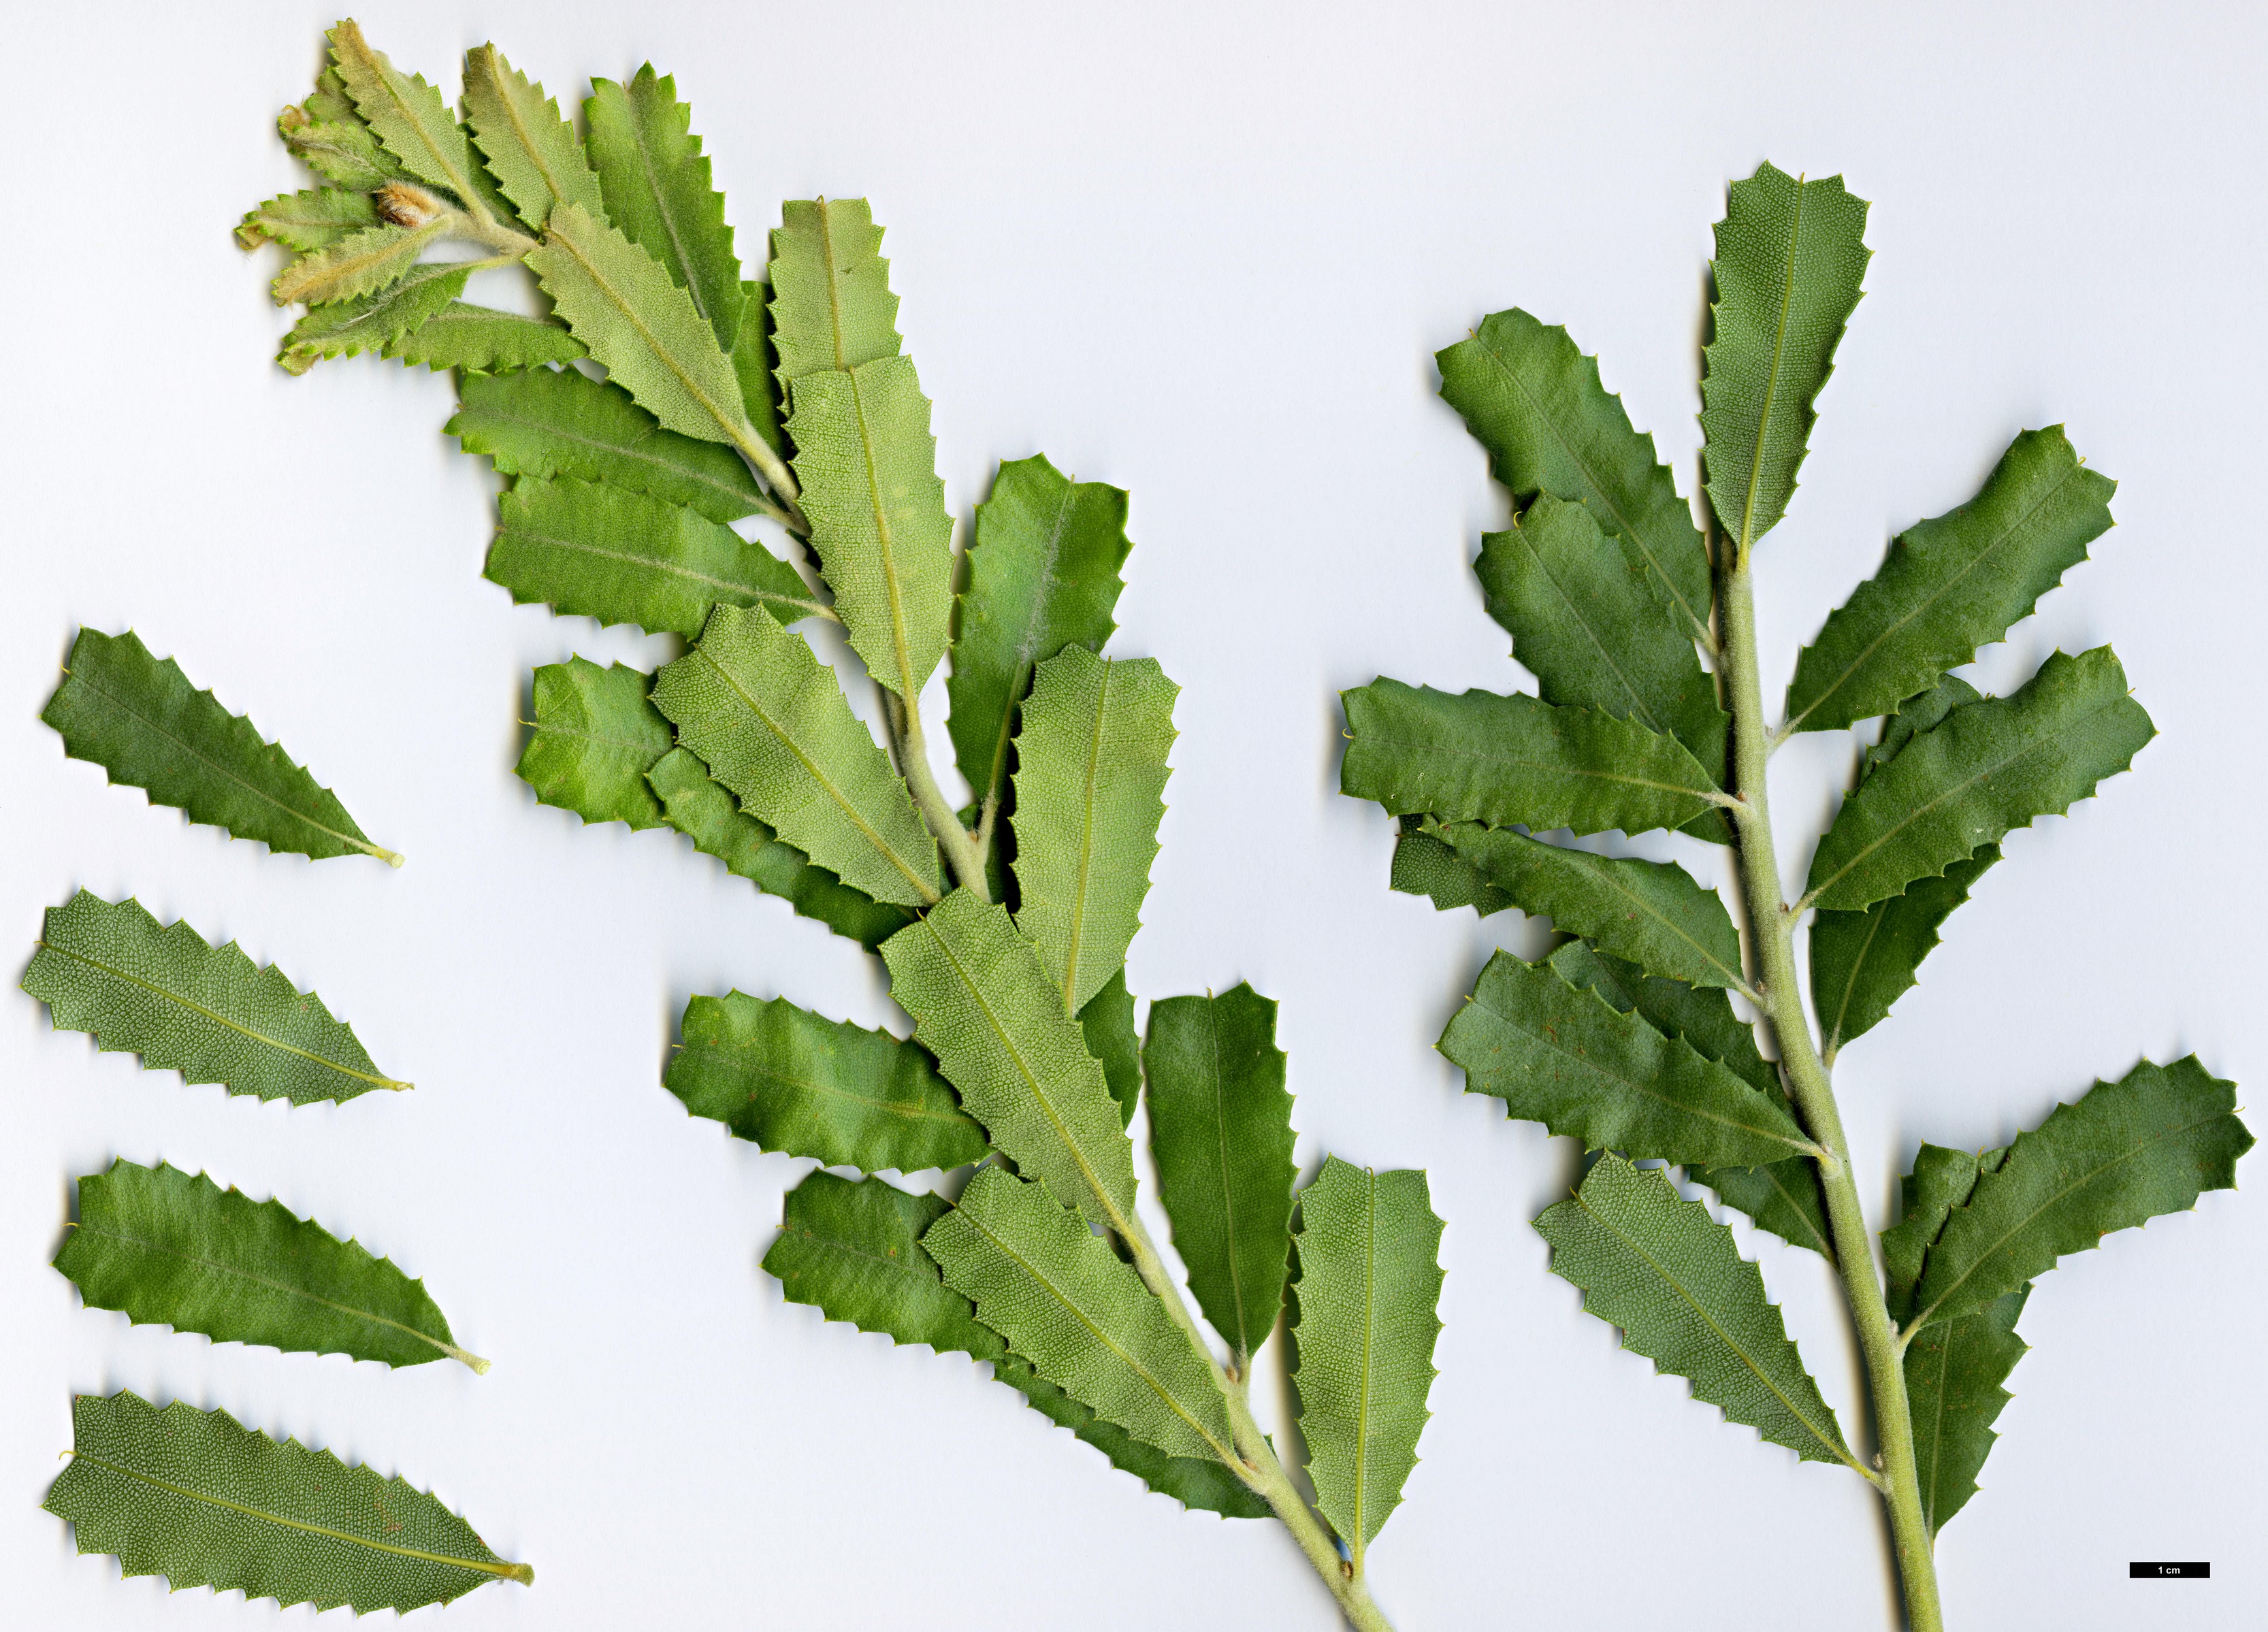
657 187
478 340
594 737
530 148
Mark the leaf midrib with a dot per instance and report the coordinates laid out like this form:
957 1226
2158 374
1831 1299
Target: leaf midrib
731 426
651 176
548 431
1075 934
657 563
913 1110
1772 376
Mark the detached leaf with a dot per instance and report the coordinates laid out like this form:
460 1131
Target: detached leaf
832 308
408 115
1107 1023
596 734
372 322
482 340
531 149
166 1249
313 219
197 1498
142 722
655 184
357 265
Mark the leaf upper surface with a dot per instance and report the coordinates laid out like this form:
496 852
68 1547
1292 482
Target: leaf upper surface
656 182
596 735
530 147
406 114
1107 1023
1862 962
1954 1371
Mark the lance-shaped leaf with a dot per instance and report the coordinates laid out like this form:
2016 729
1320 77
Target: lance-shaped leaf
1789 258
700 808
1952 585
832 307
357 265
550 422
1651 914
1220 1130
625 557
1990 767
795 1082
530 148
408 115
1369 1284
1424 864
142 722
374 322
984 1005
1568 1059
2126 1152
166 1249
200 1499
1043 573
1090 781
1862 962
596 736
1199 1482
1670 1275
338 150
655 183
770 722
183 1004
482 340
1536 404
1066 1303
1479 757
1107 1023
312 220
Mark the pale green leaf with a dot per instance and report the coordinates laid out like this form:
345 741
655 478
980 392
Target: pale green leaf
358 264
312 219
1107 1023
408 115
594 737
338 150
484 341
530 148
655 183
832 308
374 322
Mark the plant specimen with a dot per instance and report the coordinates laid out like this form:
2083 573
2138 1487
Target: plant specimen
663 397
1625 1036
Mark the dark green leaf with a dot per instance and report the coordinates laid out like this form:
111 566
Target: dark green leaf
752 362
1862 962
1915 716
1954 1371
1424 865
656 182
1107 1025
594 737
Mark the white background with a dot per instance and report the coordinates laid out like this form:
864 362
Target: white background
1205 254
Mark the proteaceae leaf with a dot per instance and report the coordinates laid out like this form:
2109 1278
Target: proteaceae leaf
1862 962
1043 573
1369 1285
832 308
1198 1482
1942 1180
1990 767
550 422
142 722
312 219
769 721
751 363
1789 258
1915 716
408 115
341 151
1952 585
1650 914
531 149
482 340
1090 783
195 1497
1660 1267
1566 1058
166 1249
2125 1153
624 557
1065 1302
1425 865
795 1082
359 264
596 736
655 184
1107 1023
1479 757
374 322
185 1005
1220 1131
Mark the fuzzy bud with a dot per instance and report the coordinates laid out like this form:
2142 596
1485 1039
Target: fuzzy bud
405 204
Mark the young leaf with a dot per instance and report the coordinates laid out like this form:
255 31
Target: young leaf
531 149
167 995
374 322
832 308
795 1082
483 341
142 722
772 725
408 115
1990 767
594 737
1862 962
1479 757
338 150
1953 1371
359 264
1365 1325
1790 257
655 180
1065 1302
312 219
1220 1130
1090 787
984 1005
1567 1059
166 1249
1660 1267
197 1498
1107 1023
1425 865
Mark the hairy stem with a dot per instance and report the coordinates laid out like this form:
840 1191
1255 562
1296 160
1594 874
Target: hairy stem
1773 929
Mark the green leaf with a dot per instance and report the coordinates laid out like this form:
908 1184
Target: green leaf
770 722
359 264
1369 1285
1065 1302
142 722
795 1082
1043 573
312 219
1198 1482
197 1498
984 1005
484 341
1424 865
1107 1023
752 363
1990 767
531 149
1479 757
549 422
596 736
164 993
374 322
408 115
339 150
1915 716
1220 1131
1536 404
655 183
1566 1058
832 308
166 1249
1660 1267
700 808
1790 257
1942 1180
2125 1153
1090 785
1862 962
1954 1371
1650 914
626 557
